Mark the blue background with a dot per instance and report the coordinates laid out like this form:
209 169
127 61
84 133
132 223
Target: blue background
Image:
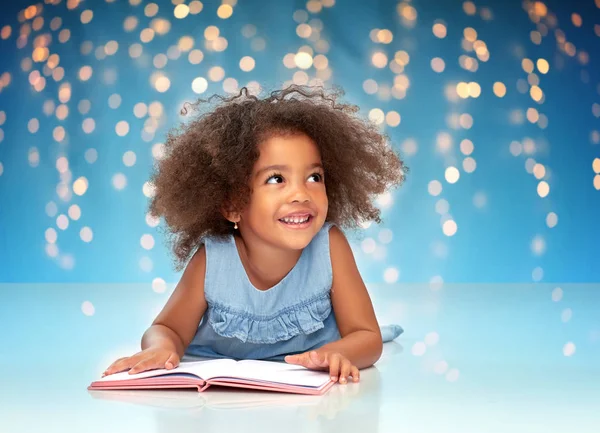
493 243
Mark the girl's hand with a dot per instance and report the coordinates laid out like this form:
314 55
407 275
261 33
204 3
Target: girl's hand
338 365
148 359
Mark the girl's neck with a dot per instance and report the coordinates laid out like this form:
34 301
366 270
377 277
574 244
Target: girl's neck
265 266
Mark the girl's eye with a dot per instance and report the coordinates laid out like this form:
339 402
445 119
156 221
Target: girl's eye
317 176
276 178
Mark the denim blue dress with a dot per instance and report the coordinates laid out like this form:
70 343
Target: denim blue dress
294 316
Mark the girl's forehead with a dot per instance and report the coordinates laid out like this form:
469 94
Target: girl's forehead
290 148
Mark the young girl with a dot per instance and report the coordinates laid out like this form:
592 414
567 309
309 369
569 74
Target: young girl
253 194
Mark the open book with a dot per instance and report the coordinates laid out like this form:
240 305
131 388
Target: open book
262 375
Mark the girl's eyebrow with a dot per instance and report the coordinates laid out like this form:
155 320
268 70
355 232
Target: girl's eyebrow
286 167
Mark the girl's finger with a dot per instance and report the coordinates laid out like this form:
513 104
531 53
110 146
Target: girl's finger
299 359
119 365
355 374
146 364
172 362
319 360
345 370
334 367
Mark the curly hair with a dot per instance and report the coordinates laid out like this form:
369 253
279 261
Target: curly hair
208 162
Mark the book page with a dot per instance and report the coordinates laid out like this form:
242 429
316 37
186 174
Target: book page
200 369
277 372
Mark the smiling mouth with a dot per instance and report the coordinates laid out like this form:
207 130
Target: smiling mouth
297 222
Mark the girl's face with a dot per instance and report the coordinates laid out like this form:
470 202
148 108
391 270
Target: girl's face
289 204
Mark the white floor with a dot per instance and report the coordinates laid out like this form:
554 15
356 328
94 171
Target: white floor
473 359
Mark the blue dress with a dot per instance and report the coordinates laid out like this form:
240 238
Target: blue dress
294 316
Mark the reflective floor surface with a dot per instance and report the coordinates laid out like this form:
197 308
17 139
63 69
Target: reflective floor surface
473 358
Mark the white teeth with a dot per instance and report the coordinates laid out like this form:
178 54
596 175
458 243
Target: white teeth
295 220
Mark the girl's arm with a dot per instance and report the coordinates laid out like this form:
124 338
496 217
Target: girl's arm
361 341
361 344
177 323
164 343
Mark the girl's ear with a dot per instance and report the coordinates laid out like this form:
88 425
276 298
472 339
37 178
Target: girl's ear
230 214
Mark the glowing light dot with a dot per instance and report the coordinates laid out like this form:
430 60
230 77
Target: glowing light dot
596 165
538 245
449 228
149 189
438 65
147 242
376 116
392 118
91 155
566 315
596 182
466 147
216 73
469 165
51 250
432 338
368 245
385 236
418 349
158 151
434 188
62 222
51 209
391 275
539 171
442 206
499 89
439 30
86 16
551 220
129 158
543 66
114 101
462 89
146 264
86 234
162 84
452 175
543 189
385 200
474 89
119 181
440 367
527 65
537 274
159 285
557 294
88 125
51 235
247 63
181 11
122 128
199 85
152 221
74 212
303 60
88 308
224 11
569 349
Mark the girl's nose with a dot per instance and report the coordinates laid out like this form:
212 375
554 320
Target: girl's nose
299 193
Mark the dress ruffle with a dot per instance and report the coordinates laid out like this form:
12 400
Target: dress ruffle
305 318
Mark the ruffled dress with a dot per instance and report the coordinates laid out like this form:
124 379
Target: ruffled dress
294 316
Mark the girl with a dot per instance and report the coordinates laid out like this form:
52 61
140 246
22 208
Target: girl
253 194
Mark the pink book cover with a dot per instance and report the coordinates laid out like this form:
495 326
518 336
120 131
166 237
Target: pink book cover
249 374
